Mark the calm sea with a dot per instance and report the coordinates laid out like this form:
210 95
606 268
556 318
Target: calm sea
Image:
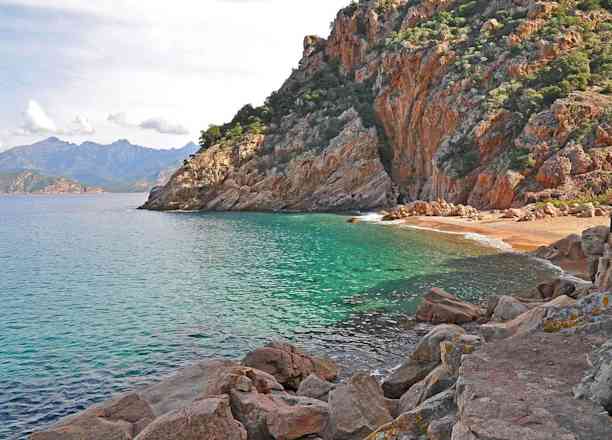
97 297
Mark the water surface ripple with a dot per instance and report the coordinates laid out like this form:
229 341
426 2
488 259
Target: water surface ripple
97 297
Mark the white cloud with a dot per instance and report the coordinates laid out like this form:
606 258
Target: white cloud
158 124
37 121
163 126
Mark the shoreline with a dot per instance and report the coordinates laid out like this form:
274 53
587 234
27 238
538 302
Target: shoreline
518 236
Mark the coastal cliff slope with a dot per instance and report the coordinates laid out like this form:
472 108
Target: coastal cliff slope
32 182
488 103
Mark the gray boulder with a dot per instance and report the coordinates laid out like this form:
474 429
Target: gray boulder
315 387
597 384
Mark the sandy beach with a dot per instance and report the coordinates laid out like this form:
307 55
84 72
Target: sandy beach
522 236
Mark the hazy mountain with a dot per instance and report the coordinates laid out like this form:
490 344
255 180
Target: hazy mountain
120 166
32 182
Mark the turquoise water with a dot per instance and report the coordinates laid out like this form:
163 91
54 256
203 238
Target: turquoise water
98 297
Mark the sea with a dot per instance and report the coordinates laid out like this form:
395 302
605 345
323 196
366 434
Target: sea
98 297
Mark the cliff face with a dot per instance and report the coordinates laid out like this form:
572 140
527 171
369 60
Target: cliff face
494 104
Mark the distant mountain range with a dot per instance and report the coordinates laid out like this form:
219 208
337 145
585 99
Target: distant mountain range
32 182
118 167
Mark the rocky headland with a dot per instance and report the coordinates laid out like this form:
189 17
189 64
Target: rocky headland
492 104
32 182
535 366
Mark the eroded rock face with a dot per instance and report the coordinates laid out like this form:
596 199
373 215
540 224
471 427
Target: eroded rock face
209 419
346 174
289 365
597 384
521 389
437 111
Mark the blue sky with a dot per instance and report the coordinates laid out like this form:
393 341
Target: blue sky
154 72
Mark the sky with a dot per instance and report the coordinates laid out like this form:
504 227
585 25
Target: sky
151 71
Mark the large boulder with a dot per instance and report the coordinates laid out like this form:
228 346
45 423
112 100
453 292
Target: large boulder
597 384
356 408
289 365
584 311
118 419
279 416
440 307
425 358
208 419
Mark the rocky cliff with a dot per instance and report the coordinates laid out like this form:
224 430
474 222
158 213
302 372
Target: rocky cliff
32 182
488 103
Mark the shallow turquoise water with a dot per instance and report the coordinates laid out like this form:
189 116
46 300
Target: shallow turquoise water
97 297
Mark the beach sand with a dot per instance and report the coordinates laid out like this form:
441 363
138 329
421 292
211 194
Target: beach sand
522 236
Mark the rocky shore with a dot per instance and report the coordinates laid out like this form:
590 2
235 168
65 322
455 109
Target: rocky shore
538 366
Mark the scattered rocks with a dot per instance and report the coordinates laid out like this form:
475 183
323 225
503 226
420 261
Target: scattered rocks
524 324
357 408
289 365
440 307
208 419
439 208
425 358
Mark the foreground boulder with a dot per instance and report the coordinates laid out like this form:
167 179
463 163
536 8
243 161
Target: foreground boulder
521 388
356 408
279 416
508 308
118 419
425 358
209 419
289 365
440 307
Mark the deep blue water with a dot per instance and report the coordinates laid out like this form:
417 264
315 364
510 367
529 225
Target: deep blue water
97 297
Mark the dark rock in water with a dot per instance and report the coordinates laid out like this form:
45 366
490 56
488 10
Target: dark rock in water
289 365
440 307
208 419
356 408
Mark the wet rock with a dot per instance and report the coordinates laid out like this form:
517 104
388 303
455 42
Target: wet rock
440 307
290 365
357 408
315 387
508 308
118 419
425 358
209 419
